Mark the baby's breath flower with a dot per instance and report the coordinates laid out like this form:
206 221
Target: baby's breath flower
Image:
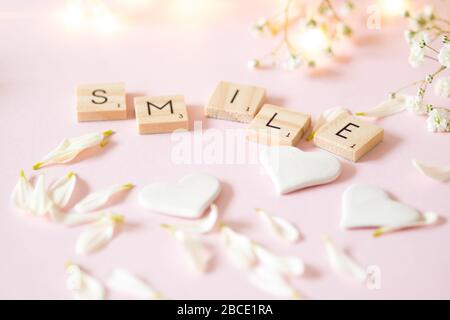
438 120
415 104
416 54
444 55
442 87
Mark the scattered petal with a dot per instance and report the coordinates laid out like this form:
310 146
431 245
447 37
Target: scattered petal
97 199
239 248
386 108
98 234
123 281
437 173
202 225
428 218
61 190
22 192
288 266
280 227
197 254
272 282
342 264
68 149
82 285
40 204
326 117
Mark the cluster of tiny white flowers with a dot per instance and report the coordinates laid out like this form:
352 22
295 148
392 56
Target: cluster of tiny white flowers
425 30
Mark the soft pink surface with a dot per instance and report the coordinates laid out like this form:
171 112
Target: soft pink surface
162 53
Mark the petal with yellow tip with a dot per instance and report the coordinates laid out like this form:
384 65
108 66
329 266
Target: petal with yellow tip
61 190
82 285
69 149
427 219
326 117
98 199
22 192
97 235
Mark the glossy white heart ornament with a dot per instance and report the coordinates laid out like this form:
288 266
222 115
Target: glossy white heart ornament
291 168
369 206
188 198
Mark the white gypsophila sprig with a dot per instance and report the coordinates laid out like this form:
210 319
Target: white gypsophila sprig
307 32
438 120
442 87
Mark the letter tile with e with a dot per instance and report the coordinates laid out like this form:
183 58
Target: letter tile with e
275 125
349 137
161 114
96 102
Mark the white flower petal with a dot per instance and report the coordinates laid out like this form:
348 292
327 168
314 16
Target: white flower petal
436 173
272 282
202 225
40 204
428 218
288 266
82 285
239 248
123 281
97 235
61 190
280 227
68 149
22 192
386 108
326 117
198 255
97 199
342 264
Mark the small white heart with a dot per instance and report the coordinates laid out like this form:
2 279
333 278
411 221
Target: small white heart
188 198
369 206
291 168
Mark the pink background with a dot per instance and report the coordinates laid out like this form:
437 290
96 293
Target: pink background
162 52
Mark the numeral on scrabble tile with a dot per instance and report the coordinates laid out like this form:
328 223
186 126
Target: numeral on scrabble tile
161 114
349 137
235 102
278 126
101 102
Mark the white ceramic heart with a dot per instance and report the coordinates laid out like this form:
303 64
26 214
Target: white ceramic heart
291 168
188 198
369 206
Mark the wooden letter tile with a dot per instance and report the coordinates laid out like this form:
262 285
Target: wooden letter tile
101 102
349 137
278 126
235 102
161 114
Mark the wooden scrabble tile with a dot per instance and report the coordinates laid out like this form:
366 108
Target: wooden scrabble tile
161 114
278 126
101 102
235 102
349 137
